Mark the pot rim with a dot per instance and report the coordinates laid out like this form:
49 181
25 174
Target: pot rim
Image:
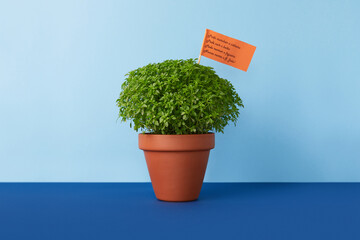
152 134
170 143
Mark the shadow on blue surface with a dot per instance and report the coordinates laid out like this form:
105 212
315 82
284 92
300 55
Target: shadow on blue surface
218 191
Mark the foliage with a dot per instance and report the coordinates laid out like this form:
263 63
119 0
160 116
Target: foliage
178 97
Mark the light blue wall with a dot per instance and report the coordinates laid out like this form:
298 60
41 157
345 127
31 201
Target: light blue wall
62 64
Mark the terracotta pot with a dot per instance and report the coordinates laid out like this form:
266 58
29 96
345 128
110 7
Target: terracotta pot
177 164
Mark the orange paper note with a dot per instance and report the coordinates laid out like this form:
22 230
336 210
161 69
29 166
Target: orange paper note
227 50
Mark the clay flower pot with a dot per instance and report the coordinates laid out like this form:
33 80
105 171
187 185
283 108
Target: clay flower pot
177 164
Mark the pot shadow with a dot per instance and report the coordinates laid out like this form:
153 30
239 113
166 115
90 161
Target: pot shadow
223 191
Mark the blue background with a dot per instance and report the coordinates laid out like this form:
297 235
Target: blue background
62 64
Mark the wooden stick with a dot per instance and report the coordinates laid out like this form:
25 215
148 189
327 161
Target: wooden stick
202 46
199 59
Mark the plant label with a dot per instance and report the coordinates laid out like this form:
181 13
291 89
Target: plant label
227 50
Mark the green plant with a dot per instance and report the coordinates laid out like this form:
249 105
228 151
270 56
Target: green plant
178 97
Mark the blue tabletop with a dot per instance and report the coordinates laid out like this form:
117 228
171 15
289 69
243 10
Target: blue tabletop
223 211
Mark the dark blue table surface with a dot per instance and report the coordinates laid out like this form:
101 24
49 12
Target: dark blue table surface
223 211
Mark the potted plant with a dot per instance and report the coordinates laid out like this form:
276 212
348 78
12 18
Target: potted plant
177 104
